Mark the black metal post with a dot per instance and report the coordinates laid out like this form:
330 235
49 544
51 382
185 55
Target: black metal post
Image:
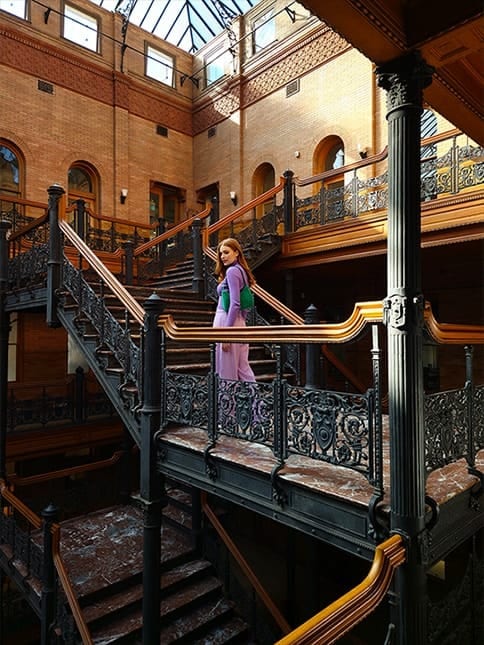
47 601
313 351
54 263
288 201
150 482
128 258
79 401
198 283
80 219
289 287
214 217
404 80
4 332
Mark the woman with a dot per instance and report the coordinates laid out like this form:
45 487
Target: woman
232 271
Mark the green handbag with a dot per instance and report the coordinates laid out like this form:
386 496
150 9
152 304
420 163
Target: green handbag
246 298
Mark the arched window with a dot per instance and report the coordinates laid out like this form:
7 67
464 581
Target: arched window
264 179
330 155
83 183
11 169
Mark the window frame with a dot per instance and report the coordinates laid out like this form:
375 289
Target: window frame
83 28
264 21
26 9
151 61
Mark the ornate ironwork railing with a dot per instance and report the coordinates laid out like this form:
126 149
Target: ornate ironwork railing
449 165
43 405
454 426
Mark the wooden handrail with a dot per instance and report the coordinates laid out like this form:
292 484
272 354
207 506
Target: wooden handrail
65 472
239 558
376 158
174 230
339 617
452 333
36 522
38 221
113 220
67 587
227 219
24 510
363 313
134 308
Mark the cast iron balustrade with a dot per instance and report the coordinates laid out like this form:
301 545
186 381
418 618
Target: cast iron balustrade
455 167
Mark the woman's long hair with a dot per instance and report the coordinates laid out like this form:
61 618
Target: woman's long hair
220 269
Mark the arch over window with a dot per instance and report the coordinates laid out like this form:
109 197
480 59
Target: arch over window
83 183
328 155
264 179
11 169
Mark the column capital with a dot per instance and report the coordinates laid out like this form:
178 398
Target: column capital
404 79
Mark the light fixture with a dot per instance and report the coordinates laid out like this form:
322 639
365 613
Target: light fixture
233 197
363 152
124 194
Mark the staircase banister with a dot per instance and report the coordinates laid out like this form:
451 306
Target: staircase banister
368 161
108 218
174 230
363 313
339 617
67 587
23 202
66 472
38 221
452 333
24 510
134 308
227 219
250 575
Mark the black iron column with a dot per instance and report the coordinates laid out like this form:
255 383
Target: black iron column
4 332
404 80
313 351
150 483
54 263
288 202
47 601
197 281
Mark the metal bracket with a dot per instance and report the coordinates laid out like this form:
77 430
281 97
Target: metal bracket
378 530
278 495
210 468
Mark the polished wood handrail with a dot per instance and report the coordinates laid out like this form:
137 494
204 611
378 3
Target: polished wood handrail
363 313
112 220
452 333
171 232
67 587
228 219
36 522
14 501
130 303
343 614
239 558
38 221
65 472
368 161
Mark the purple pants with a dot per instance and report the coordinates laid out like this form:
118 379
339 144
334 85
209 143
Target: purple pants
232 364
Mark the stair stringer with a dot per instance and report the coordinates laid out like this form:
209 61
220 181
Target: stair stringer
110 382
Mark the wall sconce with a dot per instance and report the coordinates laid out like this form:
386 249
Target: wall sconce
124 194
363 152
233 197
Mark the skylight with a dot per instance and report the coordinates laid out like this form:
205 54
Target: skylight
188 24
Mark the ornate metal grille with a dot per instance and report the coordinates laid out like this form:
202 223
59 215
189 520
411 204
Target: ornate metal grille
330 426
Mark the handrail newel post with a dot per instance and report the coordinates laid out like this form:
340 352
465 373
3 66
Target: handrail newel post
4 333
49 515
198 282
80 219
54 263
150 481
313 351
289 196
471 450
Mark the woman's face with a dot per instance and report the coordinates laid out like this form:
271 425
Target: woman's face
228 255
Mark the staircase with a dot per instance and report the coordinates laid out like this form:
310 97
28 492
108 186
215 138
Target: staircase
103 553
